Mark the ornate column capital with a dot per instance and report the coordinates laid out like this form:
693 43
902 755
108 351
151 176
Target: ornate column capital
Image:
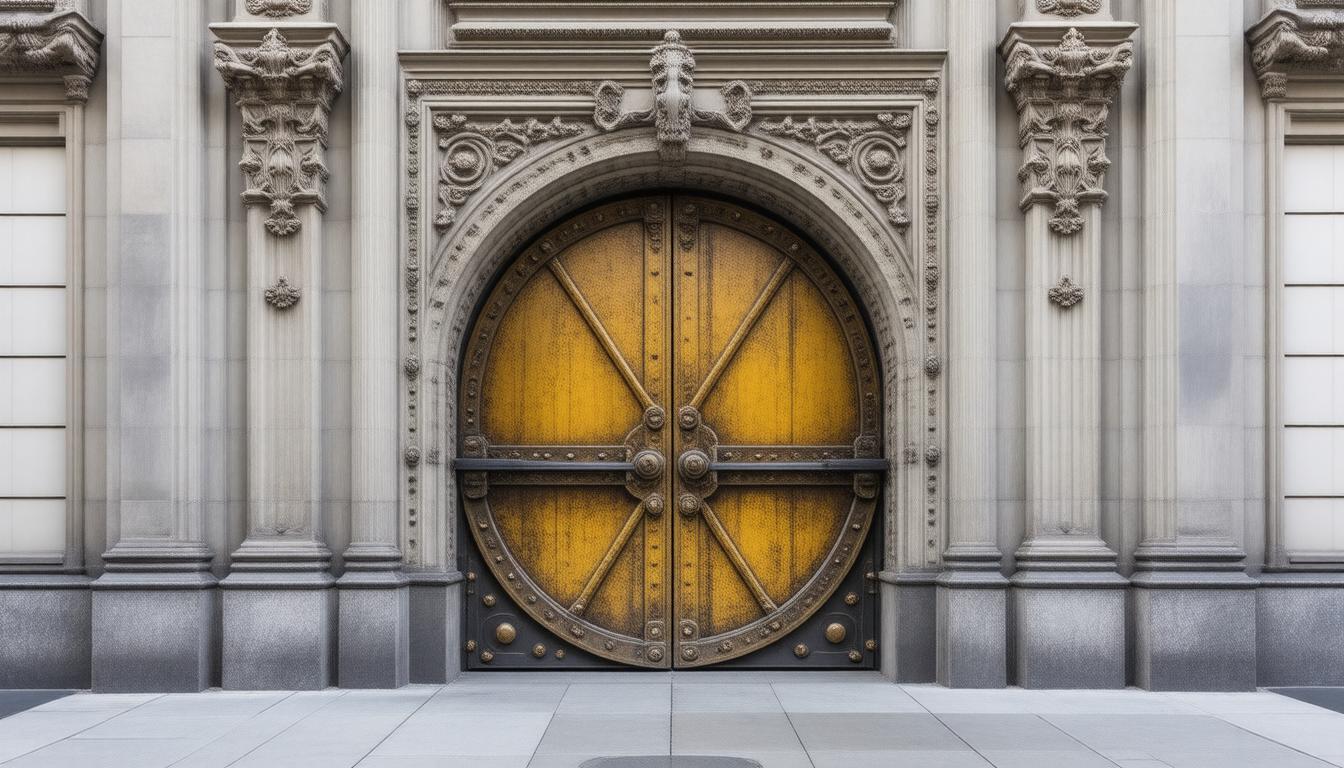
1307 40
49 39
1063 79
284 84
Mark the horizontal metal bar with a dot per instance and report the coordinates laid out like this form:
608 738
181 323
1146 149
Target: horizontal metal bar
825 465
527 465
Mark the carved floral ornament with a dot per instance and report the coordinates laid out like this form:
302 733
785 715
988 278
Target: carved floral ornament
1289 41
1068 8
285 94
59 43
1063 94
278 9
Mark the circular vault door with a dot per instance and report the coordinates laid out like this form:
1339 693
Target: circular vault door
669 451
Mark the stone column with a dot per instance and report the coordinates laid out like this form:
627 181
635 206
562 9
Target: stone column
1069 601
279 608
1194 605
373 638
154 607
972 593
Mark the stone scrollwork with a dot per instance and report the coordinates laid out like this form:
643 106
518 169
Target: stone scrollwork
1063 94
872 150
278 9
284 93
672 69
58 42
1068 8
1293 41
473 151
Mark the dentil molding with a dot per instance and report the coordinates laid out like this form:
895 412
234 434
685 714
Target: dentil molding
1307 40
1063 84
49 40
284 86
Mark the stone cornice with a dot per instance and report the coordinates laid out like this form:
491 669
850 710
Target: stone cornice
1063 79
284 83
1292 41
58 44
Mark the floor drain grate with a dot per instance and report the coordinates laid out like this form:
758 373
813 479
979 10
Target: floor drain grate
671 761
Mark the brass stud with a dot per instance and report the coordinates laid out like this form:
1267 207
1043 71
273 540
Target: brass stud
855 656
835 632
851 599
870 645
471 576
689 653
505 633
487 657
538 650
800 651
559 653
489 601
471 646
655 653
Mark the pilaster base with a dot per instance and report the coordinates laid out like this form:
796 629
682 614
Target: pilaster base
972 629
1194 631
906 618
279 630
436 626
1299 623
374 625
1069 628
154 631
46 622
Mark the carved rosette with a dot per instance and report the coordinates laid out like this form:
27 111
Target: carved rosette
672 71
1291 41
1063 93
872 150
284 92
57 44
473 151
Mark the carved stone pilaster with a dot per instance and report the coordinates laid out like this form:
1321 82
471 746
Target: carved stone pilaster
672 68
1288 42
1063 88
49 40
284 89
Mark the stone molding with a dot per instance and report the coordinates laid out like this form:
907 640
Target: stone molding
1292 41
284 87
1063 87
55 42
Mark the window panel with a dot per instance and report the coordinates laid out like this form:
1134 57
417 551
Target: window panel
1313 461
1313 390
1313 525
38 525
32 250
32 462
1313 249
32 391
1313 321
1309 179
36 180
33 320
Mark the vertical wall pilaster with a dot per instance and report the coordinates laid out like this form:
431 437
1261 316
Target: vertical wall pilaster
1068 599
373 638
284 78
972 593
1193 604
154 606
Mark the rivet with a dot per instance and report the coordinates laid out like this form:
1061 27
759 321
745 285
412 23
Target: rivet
855 656
800 651
471 575
851 599
471 646
488 601
487 657
505 633
655 653
835 632
538 650
870 645
559 653
689 653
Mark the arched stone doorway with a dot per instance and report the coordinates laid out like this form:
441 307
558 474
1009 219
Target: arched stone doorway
670 449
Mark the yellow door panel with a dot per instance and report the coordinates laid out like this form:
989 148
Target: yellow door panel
669 443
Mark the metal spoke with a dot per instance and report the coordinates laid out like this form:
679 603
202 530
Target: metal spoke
740 335
600 331
608 561
736 558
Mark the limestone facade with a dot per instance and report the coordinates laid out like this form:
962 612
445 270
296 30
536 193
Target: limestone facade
1076 228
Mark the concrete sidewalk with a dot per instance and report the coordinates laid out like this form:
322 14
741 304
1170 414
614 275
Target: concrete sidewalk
794 720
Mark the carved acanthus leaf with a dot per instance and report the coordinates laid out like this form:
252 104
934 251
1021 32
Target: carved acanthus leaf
1068 8
60 43
278 9
1065 293
873 151
1063 94
1290 41
474 151
285 95
672 70
282 295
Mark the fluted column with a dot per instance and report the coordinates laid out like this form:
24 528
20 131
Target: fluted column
1069 600
373 637
972 593
284 78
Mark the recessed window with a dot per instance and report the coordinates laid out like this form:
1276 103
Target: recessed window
34 337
